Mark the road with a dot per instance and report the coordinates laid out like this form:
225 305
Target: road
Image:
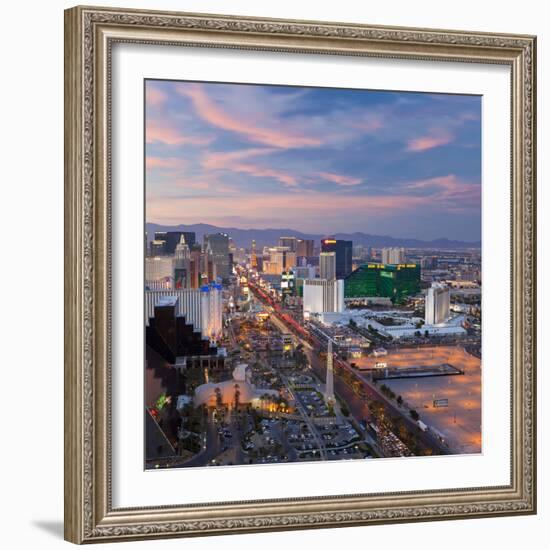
210 450
357 406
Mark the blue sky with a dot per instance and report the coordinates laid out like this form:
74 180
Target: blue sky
314 159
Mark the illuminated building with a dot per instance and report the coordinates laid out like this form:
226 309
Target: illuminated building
437 304
200 307
232 393
209 269
288 343
195 267
305 247
211 311
158 268
382 280
288 283
182 265
393 255
253 257
280 258
327 265
344 253
321 296
288 242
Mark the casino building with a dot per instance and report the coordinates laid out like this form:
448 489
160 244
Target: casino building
394 281
343 251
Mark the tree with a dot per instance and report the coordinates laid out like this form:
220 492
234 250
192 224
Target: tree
414 415
399 400
218 393
237 396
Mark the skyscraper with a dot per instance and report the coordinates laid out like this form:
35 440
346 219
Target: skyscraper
253 257
327 265
437 304
304 247
393 255
322 296
218 243
172 238
288 281
201 307
280 258
288 242
159 268
182 265
211 311
157 247
195 266
344 253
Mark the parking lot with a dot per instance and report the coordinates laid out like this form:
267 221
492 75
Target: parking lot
458 423
312 402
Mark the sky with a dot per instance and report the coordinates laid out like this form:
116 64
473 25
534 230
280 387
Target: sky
316 160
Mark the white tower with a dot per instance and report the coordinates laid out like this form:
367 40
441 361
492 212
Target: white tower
329 386
437 304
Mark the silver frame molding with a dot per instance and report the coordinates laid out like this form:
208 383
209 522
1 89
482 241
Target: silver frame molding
89 36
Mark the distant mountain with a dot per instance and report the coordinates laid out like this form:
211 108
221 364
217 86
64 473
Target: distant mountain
270 237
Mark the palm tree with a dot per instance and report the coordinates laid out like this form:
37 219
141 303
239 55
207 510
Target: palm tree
237 395
219 401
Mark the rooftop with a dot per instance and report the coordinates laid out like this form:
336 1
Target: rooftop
165 301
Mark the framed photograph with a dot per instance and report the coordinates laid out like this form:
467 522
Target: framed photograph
300 274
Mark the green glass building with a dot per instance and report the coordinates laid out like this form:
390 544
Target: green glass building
394 281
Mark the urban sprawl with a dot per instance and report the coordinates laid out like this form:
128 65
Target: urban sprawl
308 350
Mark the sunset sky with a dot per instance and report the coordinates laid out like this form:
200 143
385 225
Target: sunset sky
316 160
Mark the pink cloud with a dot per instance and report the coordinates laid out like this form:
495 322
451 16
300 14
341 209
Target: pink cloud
220 160
168 163
234 161
194 184
154 97
215 115
162 132
436 139
449 191
339 179
369 123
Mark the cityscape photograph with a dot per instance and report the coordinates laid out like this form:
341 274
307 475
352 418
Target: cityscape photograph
312 277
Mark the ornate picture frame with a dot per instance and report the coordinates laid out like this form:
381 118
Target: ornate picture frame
90 34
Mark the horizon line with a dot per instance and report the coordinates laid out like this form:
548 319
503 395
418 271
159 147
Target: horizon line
314 233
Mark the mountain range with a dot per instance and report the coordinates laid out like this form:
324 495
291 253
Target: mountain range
270 237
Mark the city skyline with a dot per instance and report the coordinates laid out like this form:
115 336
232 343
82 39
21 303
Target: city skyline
323 160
